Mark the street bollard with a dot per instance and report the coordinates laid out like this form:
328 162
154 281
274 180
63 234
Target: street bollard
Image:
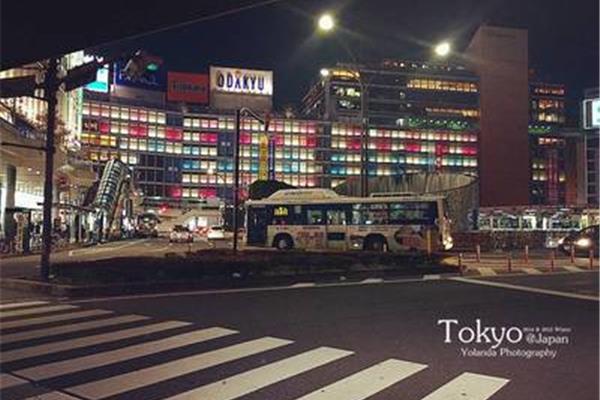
460 266
591 259
526 254
509 261
478 253
572 254
552 256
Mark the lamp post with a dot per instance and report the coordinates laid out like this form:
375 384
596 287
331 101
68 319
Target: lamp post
326 24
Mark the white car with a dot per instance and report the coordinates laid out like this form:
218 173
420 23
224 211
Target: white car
180 233
215 233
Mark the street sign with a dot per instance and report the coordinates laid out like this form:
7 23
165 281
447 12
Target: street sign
17 87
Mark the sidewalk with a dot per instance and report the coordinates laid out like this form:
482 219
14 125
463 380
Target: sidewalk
539 262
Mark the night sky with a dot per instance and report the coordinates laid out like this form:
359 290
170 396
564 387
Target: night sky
563 35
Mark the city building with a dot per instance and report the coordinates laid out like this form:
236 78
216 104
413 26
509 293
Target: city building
590 153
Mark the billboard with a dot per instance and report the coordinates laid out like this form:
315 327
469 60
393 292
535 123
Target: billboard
187 87
591 114
233 88
101 82
151 80
241 81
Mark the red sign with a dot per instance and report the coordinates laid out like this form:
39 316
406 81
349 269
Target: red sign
191 88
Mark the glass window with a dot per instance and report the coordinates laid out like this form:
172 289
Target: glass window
370 214
413 213
314 216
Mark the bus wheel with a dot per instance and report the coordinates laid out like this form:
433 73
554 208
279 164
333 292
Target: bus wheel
376 243
283 242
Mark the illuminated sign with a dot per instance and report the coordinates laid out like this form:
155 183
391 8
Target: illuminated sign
591 114
101 82
241 81
187 87
280 211
263 158
150 80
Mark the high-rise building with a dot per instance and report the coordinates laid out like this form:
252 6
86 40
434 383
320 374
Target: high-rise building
499 56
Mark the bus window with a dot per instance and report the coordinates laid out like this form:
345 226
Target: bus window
370 214
314 216
336 217
281 215
413 213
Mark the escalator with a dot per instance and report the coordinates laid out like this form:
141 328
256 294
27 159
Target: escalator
112 200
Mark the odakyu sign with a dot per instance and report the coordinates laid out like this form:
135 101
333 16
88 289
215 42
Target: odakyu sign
241 81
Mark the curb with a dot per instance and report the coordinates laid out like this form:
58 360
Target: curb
222 283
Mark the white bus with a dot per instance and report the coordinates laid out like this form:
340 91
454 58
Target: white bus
321 219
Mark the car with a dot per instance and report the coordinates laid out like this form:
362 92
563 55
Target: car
581 241
215 233
180 234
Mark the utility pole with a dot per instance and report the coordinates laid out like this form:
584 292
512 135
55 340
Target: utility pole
50 88
236 178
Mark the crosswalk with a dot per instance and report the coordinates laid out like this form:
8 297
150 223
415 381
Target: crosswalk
56 357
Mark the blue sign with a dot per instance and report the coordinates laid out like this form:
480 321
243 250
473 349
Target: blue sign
151 80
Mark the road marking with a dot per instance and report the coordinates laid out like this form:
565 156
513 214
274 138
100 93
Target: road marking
303 285
486 271
571 268
468 386
55 347
250 381
96 360
531 271
431 277
7 381
35 310
53 318
371 280
158 373
527 289
61 329
7 306
367 382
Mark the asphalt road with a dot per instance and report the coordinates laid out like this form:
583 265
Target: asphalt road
343 342
26 266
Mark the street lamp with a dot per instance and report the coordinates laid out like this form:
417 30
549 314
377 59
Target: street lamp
324 72
326 22
443 49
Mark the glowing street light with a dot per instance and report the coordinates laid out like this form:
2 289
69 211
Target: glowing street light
442 49
326 22
324 72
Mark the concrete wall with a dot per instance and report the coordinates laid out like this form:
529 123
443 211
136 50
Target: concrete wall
500 58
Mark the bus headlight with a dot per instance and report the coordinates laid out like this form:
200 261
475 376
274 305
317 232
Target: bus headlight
583 242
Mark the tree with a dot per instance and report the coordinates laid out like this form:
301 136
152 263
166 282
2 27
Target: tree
261 189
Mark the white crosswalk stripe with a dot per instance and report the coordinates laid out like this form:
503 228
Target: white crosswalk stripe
35 310
7 381
371 280
7 306
52 396
62 329
468 386
258 378
55 347
572 268
368 382
148 376
96 360
53 318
